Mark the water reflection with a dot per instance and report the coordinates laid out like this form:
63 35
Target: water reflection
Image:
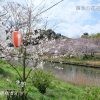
74 74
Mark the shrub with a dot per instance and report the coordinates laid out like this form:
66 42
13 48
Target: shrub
90 57
41 80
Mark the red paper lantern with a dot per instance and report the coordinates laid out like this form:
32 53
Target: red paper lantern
17 39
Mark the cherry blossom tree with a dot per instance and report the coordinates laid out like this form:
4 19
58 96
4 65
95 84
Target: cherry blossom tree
24 18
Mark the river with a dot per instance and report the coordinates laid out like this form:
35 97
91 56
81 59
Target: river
77 75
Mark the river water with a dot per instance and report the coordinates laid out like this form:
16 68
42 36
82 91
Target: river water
74 74
78 75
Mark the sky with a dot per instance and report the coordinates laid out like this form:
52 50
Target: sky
71 18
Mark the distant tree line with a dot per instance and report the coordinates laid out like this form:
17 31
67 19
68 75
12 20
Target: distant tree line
43 35
50 34
87 35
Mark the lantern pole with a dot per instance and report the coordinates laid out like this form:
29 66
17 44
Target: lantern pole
24 73
24 65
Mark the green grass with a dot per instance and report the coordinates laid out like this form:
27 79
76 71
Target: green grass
57 90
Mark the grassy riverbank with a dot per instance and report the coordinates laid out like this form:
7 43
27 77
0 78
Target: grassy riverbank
57 90
95 63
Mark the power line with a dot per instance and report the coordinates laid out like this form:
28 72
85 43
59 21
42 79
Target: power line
50 7
3 14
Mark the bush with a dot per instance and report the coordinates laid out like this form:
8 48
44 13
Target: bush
41 80
86 56
90 57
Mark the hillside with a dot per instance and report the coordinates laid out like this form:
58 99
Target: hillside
39 35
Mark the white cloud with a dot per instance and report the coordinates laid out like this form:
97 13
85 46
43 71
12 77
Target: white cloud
72 22
69 17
